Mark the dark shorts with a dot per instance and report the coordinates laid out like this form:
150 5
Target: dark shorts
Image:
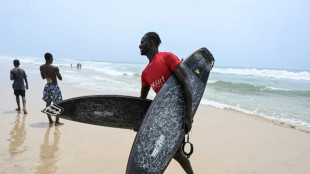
18 92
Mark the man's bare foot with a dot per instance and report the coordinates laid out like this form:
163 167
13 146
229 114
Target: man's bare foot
59 124
18 110
25 111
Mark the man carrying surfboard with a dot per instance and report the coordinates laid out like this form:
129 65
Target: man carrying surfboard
161 66
51 92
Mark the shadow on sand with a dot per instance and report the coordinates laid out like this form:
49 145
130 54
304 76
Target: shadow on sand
40 125
9 112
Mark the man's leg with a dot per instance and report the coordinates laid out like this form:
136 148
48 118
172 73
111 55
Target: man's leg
24 104
57 123
18 103
183 161
58 98
48 115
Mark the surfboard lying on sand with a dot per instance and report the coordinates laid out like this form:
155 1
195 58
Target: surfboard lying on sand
104 110
160 133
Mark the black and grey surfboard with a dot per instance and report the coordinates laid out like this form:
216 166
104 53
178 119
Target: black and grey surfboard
104 110
160 133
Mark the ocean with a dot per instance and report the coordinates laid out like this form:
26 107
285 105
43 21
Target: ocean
276 94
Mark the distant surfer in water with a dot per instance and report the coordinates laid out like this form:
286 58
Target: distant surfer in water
51 92
161 66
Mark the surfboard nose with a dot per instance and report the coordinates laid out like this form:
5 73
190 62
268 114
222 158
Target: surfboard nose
201 63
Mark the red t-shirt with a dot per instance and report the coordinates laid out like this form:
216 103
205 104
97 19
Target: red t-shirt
159 70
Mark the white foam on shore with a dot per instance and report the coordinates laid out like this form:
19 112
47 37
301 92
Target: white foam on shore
280 74
289 121
110 71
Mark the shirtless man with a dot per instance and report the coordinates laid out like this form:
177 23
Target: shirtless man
161 66
51 92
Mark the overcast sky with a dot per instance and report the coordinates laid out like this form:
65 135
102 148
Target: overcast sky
239 33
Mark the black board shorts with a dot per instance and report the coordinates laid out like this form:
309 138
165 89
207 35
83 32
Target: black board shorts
18 92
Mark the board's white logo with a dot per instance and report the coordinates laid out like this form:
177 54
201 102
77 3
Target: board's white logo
53 110
158 145
104 113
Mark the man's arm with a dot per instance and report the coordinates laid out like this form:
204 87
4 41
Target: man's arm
11 75
180 72
26 82
58 73
144 91
25 78
42 75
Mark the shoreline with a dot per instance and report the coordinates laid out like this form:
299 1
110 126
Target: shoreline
296 120
252 116
267 120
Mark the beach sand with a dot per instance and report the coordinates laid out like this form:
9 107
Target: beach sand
224 141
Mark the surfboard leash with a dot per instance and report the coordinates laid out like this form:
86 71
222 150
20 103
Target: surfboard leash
187 154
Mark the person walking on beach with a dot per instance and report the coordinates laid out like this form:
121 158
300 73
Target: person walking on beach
19 76
161 66
51 92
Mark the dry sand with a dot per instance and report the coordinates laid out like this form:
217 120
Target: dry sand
225 141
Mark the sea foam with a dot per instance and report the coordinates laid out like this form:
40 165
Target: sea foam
281 74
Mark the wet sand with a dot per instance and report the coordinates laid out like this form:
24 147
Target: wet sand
225 141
